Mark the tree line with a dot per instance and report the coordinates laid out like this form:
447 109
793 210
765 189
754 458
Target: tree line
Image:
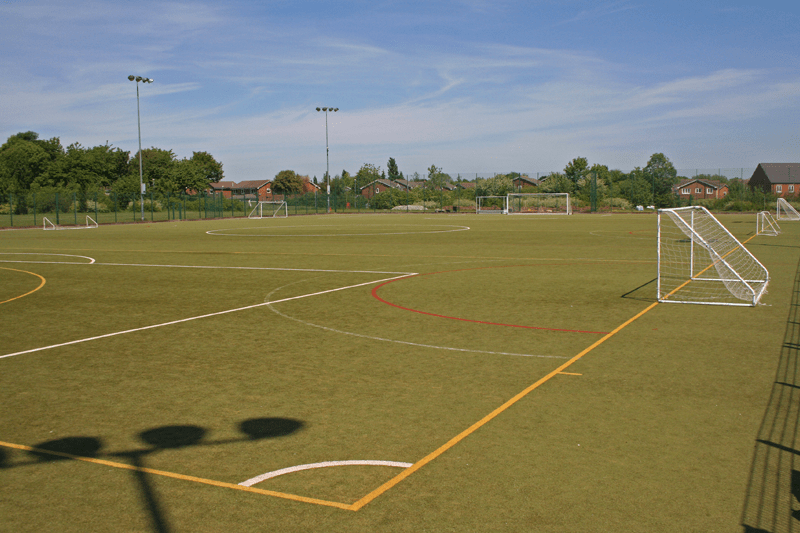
650 185
30 164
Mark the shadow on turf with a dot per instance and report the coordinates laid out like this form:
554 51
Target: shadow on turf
772 500
156 439
645 292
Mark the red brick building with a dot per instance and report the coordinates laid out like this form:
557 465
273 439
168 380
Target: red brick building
701 189
781 179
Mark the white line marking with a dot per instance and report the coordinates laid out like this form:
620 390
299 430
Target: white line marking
223 232
263 477
91 260
408 343
196 318
261 268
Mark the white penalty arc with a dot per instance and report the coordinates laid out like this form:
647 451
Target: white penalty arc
325 464
228 232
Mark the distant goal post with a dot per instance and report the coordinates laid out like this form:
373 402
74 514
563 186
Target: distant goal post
552 203
269 209
786 211
491 205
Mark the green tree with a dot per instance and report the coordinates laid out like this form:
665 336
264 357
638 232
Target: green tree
576 169
209 168
392 171
557 182
663 176
287 182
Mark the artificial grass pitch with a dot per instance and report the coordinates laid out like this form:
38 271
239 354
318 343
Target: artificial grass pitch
156 346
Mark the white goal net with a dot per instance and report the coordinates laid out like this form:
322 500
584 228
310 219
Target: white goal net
492 205
700 262
267 209
539 204
766 225
785 211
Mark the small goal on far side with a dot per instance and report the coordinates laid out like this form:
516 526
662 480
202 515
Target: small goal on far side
269 209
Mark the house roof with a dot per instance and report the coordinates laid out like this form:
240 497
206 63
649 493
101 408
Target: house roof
781 172
527 179
252 184
716 184
222 185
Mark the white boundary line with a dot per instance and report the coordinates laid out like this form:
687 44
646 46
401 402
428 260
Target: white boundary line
225 234
91 259
269 475
107 335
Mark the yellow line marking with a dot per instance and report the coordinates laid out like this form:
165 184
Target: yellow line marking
179 476
483 421
570 374
29 292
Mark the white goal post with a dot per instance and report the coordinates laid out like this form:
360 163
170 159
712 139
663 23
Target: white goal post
267 209
766 225
90 224
539 203
492 205
701 262
785 211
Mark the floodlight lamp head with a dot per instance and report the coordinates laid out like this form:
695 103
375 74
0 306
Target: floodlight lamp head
318 109
138 78
324 108
336 109
131 77
149 80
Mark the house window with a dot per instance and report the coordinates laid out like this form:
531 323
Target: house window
709 191
698 190
268 189
687 190
791 188
778 188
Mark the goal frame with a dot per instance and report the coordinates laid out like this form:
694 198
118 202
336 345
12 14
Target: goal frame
785 211
766 225
281 210
479 203
543 195
49 226
722 254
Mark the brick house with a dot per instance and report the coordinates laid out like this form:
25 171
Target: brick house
782 179
700 189
524 181
260 190
224 187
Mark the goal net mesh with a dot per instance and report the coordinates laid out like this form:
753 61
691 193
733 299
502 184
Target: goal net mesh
699 261
766 225
786 211
269 209
539 204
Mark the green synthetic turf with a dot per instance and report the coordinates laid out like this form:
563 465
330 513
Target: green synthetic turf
653 430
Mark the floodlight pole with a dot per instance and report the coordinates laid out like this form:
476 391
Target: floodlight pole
327 153
137 79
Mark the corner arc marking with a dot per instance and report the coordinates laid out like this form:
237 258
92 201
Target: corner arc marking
275 473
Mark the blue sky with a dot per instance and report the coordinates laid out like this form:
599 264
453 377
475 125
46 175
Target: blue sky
469 86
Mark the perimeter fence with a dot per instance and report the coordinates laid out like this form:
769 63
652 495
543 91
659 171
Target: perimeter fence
65 207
